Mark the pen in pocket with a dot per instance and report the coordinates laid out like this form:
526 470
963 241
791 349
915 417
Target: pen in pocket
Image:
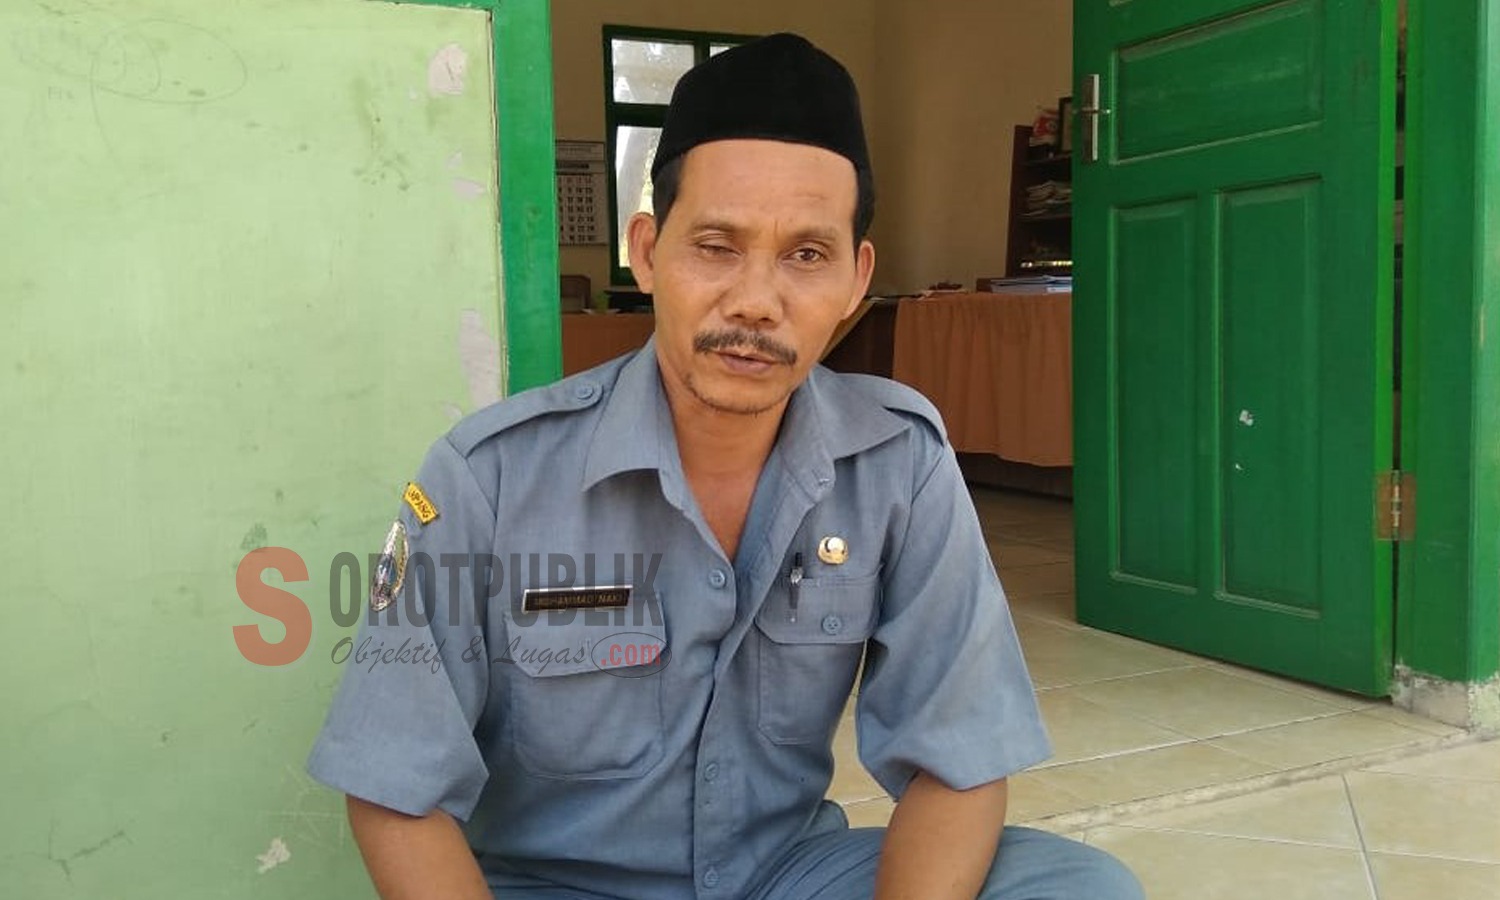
794 580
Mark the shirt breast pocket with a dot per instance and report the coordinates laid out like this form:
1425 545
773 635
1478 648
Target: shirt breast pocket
807 663
586 699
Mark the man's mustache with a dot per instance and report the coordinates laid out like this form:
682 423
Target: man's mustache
744 339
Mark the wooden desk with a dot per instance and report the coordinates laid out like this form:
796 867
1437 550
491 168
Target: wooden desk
589 339
999 367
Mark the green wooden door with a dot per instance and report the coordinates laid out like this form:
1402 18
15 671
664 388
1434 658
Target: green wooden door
1233 328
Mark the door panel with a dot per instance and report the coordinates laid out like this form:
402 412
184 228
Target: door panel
1155 434
1232 331
1270 391
1245 75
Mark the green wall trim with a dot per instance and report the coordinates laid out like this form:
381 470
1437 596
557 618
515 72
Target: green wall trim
522 31
1448 608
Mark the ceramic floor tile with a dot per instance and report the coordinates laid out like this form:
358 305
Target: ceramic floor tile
1475 762
1083 656
1120 640
1013 554
1320 740
1032 795
1314 812
1331 697
851 783
1427 816
1205 702
1058 607
1084 730
869 813
1423 878
1026 581
1033 629
1384 710
1176 866
1151 773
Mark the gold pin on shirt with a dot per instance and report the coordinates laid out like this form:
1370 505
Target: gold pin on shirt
833 550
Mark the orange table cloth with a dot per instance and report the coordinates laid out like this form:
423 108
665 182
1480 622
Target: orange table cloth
999 367
589 339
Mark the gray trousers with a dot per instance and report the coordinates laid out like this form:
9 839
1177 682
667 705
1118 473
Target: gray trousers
1030 865
840 865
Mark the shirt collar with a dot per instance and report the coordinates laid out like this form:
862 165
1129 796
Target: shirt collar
828 418
635 428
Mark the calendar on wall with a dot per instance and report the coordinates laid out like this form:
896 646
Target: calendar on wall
582 202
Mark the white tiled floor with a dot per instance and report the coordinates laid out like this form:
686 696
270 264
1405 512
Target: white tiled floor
1146 737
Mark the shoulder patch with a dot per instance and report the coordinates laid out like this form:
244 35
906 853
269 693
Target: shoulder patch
899 398
420 503
576 392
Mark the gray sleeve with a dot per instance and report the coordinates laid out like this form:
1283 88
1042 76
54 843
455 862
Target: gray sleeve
400 732
945 689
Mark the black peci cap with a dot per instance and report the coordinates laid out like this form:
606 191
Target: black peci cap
779 88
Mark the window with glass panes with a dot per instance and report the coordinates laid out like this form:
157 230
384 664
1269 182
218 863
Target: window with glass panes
641 67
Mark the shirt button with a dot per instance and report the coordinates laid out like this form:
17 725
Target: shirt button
710 877
832 624
710 771
717 578
584 391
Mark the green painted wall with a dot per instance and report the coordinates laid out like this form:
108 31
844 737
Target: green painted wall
249 269
1448 611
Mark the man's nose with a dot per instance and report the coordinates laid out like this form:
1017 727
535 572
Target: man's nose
755 299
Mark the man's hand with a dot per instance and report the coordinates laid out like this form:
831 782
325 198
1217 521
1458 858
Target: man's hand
941 842
415 857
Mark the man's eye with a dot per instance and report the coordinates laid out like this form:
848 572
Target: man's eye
808 255
715 249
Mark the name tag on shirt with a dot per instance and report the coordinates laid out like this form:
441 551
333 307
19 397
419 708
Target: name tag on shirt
544 599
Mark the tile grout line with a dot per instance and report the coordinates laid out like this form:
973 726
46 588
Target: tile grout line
1446 779
1114 754
1309 691
1359 829
1336 710
1078 684
1113 813
1314 718
1262 839
1442 857
1224 734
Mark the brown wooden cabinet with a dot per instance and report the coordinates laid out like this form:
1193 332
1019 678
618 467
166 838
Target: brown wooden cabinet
1040 238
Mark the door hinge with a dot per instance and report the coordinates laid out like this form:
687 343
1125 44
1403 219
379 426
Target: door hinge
1395 506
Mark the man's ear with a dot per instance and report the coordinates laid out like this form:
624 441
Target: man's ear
640 240
864 270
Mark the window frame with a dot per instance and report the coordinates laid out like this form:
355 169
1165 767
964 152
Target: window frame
619 114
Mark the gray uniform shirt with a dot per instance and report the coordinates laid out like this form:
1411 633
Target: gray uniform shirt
676 745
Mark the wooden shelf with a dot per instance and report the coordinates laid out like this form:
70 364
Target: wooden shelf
1046 161
1045 233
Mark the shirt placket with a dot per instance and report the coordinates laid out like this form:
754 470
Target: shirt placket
720 866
